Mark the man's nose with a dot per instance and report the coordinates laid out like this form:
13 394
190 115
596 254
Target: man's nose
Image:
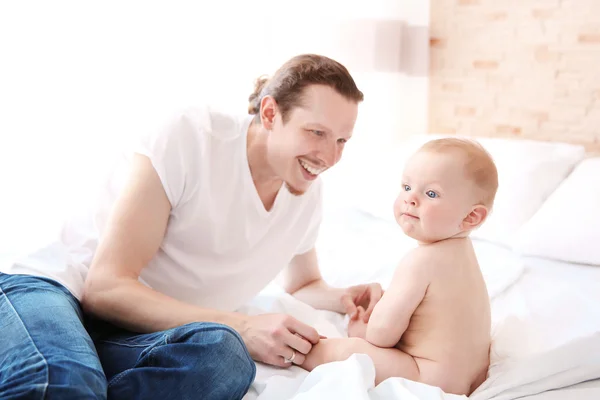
331 155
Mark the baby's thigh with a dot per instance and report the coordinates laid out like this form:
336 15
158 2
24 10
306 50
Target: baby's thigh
389 362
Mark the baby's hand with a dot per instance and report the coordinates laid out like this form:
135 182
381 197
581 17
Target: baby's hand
357 327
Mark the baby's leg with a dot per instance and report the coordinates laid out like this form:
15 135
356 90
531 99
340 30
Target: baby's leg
389 362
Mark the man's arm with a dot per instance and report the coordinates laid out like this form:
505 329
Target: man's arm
392 314
303 280
132 236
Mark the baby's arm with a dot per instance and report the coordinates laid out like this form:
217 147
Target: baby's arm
392 313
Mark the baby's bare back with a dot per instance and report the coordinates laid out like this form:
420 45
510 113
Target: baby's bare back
449 332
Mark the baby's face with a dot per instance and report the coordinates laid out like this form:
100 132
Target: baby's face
435 197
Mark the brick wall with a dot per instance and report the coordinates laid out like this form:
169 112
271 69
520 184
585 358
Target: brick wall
516 68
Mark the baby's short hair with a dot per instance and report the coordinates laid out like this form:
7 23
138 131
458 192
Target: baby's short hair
479 165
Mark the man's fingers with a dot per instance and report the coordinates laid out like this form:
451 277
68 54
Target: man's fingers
349 306
279 361
360 298
296 357
298 343
285 354
299 359
307 332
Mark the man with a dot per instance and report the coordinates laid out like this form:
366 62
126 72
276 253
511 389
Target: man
201 216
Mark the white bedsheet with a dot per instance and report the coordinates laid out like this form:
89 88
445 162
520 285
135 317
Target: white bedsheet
563 367
545 316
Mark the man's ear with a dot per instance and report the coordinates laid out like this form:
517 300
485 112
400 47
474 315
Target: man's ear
475 218
268 110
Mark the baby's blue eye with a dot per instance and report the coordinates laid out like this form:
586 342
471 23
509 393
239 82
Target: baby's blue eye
406 188
431 194
318 133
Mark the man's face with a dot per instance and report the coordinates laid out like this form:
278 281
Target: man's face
313 138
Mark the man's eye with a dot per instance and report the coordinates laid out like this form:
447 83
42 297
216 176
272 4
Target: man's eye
431 194
342 141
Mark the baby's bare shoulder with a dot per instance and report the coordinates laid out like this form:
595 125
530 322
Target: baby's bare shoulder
422 259
433 252
431 257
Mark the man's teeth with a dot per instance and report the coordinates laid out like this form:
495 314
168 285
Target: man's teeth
310 169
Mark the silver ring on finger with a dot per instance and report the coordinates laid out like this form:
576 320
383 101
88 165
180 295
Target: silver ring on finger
291 359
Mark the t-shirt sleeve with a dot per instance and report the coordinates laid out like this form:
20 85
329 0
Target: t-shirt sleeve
174 150
312 233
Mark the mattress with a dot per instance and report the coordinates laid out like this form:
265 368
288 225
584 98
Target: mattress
545 321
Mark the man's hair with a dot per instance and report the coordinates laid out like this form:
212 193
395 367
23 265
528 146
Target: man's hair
287 85
479 165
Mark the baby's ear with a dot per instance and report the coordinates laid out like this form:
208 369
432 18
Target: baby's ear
475 218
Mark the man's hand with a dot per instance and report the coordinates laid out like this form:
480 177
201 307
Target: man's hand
303 280
366 296
277 338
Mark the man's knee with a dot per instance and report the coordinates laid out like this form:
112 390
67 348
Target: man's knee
224 356
73 380
22 378
36 378
45 354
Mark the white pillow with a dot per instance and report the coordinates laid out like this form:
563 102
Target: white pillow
567 226
529 171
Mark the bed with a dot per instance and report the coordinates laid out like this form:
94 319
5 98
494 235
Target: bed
539 256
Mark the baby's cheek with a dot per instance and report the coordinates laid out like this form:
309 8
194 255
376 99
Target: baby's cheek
441 218
397 209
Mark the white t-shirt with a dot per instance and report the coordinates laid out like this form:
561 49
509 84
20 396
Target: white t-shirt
221 246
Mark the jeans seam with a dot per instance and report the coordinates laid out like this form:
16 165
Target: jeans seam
116 379
32 342
122 344
151 353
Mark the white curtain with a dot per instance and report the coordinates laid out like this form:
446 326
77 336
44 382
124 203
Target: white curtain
78 78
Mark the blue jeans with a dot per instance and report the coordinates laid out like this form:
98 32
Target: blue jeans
46 352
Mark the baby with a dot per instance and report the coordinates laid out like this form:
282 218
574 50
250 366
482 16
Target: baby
432 324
